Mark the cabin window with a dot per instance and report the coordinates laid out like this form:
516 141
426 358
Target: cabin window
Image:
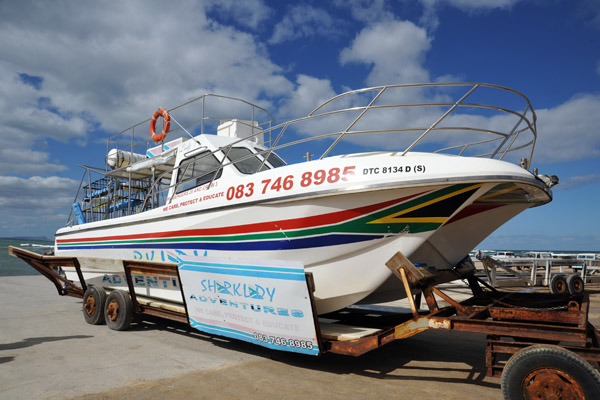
272 159
248 162
196 171
275 161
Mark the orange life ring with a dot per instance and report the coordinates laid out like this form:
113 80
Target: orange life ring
161 112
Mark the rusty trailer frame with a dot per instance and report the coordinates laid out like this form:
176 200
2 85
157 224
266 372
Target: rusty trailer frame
511 320
49 266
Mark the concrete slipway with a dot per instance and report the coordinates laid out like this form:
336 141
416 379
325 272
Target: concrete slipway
47 351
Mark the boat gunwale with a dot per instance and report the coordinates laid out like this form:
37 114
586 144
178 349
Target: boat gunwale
351 189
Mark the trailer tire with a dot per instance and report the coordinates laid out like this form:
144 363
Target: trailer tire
94 300
558 285
575 284
118 311
546 371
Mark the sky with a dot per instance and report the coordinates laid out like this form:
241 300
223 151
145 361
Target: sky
73 73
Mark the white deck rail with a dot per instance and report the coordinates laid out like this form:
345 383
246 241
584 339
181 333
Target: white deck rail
464 119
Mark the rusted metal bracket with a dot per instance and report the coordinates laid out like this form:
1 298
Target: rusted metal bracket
159 269
421 279
45 266
460 309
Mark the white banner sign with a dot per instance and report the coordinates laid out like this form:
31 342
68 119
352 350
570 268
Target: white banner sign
260 301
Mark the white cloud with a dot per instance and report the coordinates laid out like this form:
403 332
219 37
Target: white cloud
249 13
34 206
369 11
109 67
308 94
569 131
36 193
303 21
431 8
395 50
589 11
471 5
576 181
468 5
27 118
27 161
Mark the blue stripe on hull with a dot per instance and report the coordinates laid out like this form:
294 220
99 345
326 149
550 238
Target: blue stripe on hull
292 244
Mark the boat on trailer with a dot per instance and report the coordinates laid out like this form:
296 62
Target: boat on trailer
453 164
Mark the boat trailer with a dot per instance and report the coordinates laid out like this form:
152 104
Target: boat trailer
540 344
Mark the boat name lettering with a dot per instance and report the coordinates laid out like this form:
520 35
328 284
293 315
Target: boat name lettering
149 281
238 289
308 178
258 308
419 168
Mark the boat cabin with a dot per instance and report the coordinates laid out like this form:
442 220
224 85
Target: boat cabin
135 182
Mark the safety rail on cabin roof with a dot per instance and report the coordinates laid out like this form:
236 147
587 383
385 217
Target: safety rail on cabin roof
356 106
126 140
127 137
508 138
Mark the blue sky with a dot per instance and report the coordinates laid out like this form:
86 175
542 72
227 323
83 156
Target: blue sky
73 73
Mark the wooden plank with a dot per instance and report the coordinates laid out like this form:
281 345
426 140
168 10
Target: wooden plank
332 331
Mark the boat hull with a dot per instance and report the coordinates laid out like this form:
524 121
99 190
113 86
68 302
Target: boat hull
343 238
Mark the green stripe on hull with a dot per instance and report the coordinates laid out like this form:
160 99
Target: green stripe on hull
366 224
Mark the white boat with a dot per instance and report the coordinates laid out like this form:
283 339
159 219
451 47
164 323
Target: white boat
217 186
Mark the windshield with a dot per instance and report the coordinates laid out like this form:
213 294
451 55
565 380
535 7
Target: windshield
245 160
196 171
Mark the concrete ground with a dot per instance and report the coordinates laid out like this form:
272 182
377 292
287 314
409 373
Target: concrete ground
47 351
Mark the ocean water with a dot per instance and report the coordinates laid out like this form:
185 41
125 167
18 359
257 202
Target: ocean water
11 266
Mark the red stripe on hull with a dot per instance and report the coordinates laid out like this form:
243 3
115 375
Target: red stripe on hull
289 224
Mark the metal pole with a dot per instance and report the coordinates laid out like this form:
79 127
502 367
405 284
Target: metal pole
440 119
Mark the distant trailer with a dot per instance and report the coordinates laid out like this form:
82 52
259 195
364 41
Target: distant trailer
561 275
536 342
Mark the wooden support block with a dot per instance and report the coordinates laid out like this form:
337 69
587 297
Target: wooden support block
413 274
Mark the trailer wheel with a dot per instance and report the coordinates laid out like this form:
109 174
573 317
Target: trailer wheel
94 300
558 285
549 372
575 284
118 311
